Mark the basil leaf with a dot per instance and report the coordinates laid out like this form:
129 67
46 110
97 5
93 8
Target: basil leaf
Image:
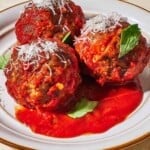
83 107
129 39
66 37
4 60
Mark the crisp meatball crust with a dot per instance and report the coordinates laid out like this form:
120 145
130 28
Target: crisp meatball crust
99 53
43 75
52 20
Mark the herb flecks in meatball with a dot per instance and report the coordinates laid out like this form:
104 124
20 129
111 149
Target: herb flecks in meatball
99 49
43 75
49 19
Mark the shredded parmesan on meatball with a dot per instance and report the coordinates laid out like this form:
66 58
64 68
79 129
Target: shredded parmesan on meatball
28 52
102 23
32 53
51 4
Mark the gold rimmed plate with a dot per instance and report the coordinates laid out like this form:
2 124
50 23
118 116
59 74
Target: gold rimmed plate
135 126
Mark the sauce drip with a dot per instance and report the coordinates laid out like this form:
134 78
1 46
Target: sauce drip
115 104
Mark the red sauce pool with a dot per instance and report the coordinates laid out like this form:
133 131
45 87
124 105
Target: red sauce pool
115 104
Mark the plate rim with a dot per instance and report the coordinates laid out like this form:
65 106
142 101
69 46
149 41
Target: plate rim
134 5
119 146
123 1
3 10
125 145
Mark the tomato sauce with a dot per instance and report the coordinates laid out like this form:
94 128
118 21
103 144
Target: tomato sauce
115 104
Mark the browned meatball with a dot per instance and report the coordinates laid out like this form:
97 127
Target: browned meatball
99 48
43 75
49 19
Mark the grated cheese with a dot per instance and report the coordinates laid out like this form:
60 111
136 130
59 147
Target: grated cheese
51 4
102 23
65 29
31 53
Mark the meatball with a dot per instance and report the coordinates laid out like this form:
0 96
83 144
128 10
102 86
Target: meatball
99 46
49 19
43 75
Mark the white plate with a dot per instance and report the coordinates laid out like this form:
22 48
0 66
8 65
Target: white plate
136 125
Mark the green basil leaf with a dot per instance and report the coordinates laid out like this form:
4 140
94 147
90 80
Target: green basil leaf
66 37
4 60
129 39
83 107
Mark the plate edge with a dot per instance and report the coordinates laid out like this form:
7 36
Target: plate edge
121 146
3 10
125 145
134 5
